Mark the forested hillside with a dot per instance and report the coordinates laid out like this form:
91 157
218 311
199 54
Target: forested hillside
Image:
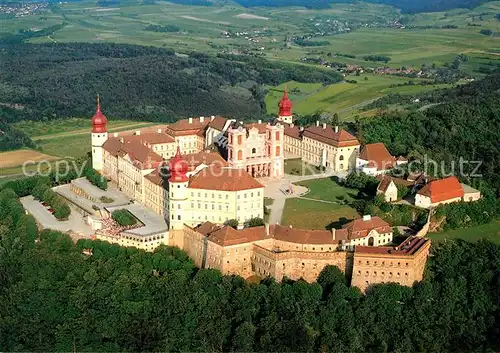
42 82
465 124
55 298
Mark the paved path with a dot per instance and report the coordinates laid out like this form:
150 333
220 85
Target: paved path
275 189
74 224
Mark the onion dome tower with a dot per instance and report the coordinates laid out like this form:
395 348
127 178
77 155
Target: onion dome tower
178 190
99 136
285 109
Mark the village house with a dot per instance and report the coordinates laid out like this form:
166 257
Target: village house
375 159
443 191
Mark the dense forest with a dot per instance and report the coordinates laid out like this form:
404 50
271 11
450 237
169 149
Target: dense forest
53 297
46 81
464 124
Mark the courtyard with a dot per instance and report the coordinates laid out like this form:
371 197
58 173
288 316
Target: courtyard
322 204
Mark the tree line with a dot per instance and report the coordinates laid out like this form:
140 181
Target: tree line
93 296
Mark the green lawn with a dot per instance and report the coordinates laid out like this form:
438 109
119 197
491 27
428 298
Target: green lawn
328 189
308 214
490 231
297 167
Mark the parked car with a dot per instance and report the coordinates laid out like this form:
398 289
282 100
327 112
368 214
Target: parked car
45 204
51 210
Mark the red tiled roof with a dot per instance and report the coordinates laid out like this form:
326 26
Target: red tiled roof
359 228
151 138
261 127
409 247
385 180
302 236
142 156
384 183
443 189
184 127
196 159
378 156
227 236
156 178
218 123
330 137
293 132
223 179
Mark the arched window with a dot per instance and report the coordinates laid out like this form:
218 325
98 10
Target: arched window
278 151
254 150
277 135
240 140
230 154
341 158
240 155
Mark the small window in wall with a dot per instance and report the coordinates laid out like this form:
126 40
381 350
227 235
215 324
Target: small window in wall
254 150
179 217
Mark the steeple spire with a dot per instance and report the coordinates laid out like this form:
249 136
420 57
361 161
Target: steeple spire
98 104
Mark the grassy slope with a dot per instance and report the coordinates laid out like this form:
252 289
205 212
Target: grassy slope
490 231
343 98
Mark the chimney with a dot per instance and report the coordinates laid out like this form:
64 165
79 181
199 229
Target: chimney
202 119
241 122
240 227
333 233
122 140
367 217
317 123
266 227
138 133
115 134
301 128
259 121
290 226
336 128
324 126
190 120
292 125
212 118
159 131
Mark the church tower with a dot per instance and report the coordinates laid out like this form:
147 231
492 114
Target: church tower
275 148
285 109
178 191
236 148
99 136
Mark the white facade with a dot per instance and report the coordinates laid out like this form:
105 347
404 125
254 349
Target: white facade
98 139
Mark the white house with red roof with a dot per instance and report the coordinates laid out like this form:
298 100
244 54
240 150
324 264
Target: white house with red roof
375 159
443 191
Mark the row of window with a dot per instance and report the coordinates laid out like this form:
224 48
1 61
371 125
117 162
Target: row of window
382 263
382 273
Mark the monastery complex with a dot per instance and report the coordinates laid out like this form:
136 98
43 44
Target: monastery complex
185 181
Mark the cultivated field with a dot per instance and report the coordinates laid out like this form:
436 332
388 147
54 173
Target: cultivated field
16 158
70 137
267 32
345 99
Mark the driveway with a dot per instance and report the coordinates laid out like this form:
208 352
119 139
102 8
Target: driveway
74 224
